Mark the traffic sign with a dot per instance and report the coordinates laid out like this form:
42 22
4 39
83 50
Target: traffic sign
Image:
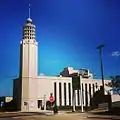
51 99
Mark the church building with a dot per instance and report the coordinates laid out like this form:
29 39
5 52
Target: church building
31 92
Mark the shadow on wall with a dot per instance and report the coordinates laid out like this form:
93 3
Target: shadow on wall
99 98
8 106
114 111
116 104
50 105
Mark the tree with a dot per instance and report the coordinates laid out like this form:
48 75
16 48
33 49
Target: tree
115 83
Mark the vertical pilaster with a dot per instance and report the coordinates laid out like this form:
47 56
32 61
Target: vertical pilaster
76 98
57 88
62 84
88 94
84 95
71 94
80 96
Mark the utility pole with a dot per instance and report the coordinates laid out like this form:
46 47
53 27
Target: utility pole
101 63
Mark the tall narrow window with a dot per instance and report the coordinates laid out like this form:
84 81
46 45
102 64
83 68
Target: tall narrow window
90 91
69 92
55 92
86 95
83 93
39 103
78 95
93 89
65 94
60 94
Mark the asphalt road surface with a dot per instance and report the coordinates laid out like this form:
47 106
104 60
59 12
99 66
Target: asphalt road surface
6 119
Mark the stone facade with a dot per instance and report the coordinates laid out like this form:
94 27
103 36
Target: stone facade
32 91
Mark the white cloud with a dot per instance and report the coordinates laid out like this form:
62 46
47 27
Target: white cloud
116 53
41 74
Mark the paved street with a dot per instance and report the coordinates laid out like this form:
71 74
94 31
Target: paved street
61 115
76 116
6 119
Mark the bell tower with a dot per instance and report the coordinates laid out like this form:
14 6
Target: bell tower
28 50
28 67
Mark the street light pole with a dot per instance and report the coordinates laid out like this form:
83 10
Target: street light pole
101 63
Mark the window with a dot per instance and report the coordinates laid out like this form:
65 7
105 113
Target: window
65 94
93 88
83 93
60 94
90 91
86 95
39 103
69 92
55 91
78 95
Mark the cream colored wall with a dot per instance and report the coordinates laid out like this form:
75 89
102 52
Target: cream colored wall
25 94
29 58
29 74
46 85
25 63
33 53
25 88
33 92
29 94
34 89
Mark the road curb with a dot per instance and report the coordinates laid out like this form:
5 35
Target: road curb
104 117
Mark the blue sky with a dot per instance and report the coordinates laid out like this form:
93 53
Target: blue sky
68 32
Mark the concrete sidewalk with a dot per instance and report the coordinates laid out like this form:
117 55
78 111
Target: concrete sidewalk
107 117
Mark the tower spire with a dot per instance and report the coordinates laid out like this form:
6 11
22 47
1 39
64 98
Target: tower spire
29 10
29 20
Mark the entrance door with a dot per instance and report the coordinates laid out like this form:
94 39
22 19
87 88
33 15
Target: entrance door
39 103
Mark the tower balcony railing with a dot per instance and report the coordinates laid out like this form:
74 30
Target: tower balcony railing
27 29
